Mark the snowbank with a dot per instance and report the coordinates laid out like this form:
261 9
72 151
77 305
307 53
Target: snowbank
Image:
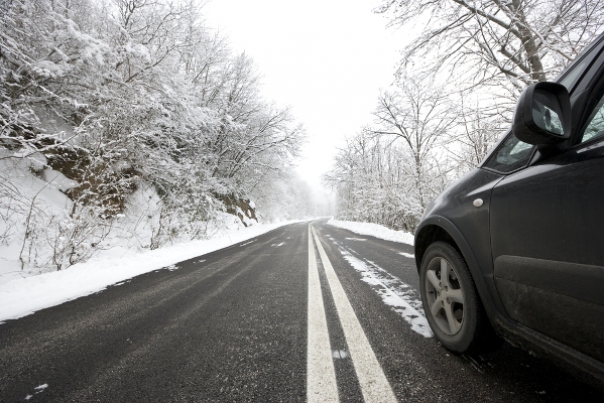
375 230
23 296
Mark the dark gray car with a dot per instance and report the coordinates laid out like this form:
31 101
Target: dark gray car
515 247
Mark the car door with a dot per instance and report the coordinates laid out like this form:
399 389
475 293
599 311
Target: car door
546 230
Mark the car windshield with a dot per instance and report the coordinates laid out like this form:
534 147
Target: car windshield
572 74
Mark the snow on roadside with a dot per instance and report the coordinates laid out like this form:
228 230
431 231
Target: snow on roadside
23 296
375 230
401 297
394 292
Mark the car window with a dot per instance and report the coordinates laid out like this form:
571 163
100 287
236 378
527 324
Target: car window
512 154
595 123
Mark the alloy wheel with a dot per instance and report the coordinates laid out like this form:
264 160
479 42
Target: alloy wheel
445 296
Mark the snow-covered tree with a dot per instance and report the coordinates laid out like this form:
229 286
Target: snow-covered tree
486 41
132 97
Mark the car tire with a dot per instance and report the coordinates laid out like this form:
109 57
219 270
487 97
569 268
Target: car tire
451 302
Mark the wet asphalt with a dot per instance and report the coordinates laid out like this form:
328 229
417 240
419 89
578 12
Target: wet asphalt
231 326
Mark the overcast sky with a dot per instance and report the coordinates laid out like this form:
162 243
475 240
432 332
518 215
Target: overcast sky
325 59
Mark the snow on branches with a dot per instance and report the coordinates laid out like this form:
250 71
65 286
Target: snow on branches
128 100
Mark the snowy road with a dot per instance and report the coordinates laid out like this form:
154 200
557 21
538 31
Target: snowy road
238 325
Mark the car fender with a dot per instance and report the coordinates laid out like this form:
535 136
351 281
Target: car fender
483 282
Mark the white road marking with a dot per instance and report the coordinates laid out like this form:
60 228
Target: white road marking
39 389
411 256
339 354
321 378
121 282
374 384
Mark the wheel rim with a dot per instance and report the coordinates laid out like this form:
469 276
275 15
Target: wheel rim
445 296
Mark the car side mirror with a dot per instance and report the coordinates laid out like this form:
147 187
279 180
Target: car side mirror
543 114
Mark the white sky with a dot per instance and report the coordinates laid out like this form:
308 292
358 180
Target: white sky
325 59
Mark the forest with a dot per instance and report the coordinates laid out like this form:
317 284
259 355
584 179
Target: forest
452 98
133 122
131 119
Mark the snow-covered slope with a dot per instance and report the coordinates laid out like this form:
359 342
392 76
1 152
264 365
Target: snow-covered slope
28 204
47 256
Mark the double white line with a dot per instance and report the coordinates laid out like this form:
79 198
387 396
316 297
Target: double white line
321 378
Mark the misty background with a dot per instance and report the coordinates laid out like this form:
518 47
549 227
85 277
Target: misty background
145 123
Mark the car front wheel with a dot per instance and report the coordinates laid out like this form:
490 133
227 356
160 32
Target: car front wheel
451 302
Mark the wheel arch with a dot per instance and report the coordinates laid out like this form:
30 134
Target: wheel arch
437 228
426 236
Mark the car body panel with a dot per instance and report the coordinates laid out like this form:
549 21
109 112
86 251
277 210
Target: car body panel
525 252
465 221
546 225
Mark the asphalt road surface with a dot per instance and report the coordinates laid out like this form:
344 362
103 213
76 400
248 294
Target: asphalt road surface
295 315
